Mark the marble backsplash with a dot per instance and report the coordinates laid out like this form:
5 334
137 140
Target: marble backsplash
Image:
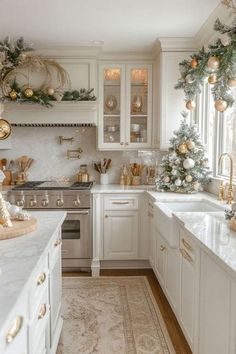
42 144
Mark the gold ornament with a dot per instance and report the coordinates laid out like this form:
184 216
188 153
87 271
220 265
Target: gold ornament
212 79
28 92
183 148
190 105
220 105
231 82
193 63
13 95
213 63
189 178
50 91
190 144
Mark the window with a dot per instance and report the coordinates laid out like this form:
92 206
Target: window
218 131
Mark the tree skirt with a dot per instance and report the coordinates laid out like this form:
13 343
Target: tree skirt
107 315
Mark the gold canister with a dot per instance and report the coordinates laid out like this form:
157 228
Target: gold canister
83 175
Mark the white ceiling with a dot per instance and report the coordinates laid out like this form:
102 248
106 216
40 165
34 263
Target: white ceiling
132 25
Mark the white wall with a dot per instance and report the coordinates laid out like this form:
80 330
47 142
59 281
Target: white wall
51 158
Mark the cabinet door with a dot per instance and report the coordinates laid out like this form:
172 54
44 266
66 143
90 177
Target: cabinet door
55 291
171 100
111 133
121 229
187 297
160 258
214 308
138 106
172 276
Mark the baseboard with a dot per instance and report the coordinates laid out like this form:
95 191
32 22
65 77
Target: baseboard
134 264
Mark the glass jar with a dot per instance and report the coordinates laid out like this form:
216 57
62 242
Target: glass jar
83 175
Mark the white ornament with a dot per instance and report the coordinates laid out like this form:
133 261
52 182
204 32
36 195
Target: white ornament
188 163
189 178
178 182
190 144
196 186
225 39
174 172
190 79
13 210
166 179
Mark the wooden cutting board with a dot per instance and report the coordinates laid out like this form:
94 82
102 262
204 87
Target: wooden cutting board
19 228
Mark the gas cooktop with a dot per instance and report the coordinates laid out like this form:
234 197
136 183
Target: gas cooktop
53 185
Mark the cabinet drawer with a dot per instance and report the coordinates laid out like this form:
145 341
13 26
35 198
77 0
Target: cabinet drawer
186 244
39 283
38 325
14 336
121 202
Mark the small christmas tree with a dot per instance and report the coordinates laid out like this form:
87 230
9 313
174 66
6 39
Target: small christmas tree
185 168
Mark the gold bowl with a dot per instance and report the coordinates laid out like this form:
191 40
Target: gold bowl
5 129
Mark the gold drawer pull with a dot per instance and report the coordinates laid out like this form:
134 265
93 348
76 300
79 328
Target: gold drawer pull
41 279
186 255
120 203
186 244
106 216
58 242
162 248
42 312
15 329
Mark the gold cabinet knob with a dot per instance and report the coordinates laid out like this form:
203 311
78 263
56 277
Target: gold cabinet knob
41 279
15 329
162 248
42 312
106 216
58 242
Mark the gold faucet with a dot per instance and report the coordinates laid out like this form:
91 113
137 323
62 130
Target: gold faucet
230 196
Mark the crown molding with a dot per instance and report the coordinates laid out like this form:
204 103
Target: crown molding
174 44
65 52
206 33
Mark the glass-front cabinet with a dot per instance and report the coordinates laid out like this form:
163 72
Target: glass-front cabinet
125 106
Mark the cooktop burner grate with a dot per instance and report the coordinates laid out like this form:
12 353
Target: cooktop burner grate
53 185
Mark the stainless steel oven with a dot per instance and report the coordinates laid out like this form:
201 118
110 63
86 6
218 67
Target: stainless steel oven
76 240
75 199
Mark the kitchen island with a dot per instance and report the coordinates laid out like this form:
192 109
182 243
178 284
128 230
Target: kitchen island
30 304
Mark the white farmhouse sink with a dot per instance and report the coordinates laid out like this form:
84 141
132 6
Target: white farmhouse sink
164 218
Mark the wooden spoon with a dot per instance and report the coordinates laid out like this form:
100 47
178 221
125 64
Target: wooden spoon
4 164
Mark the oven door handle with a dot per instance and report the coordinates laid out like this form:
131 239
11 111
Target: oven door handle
81 212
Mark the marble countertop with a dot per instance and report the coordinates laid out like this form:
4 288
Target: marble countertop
211 231
19 257
117 188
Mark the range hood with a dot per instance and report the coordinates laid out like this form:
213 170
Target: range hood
64 113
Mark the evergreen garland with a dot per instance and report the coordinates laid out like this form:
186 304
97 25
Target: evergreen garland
13 55
194 76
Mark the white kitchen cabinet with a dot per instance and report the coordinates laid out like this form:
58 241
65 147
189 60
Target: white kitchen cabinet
160 265
170 102
55 291
189 289
125 106
172 277
151 232
15 337
215 309
121 229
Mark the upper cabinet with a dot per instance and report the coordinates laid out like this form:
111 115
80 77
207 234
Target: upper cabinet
125 106
169 102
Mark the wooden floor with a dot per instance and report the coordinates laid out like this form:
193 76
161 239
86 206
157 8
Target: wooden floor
176 335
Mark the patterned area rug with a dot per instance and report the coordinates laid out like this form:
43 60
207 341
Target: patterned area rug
108 315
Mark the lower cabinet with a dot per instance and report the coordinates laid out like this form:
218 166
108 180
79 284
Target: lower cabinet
15 338
55 292
189 288
215 309
121 234
36 323
160 265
